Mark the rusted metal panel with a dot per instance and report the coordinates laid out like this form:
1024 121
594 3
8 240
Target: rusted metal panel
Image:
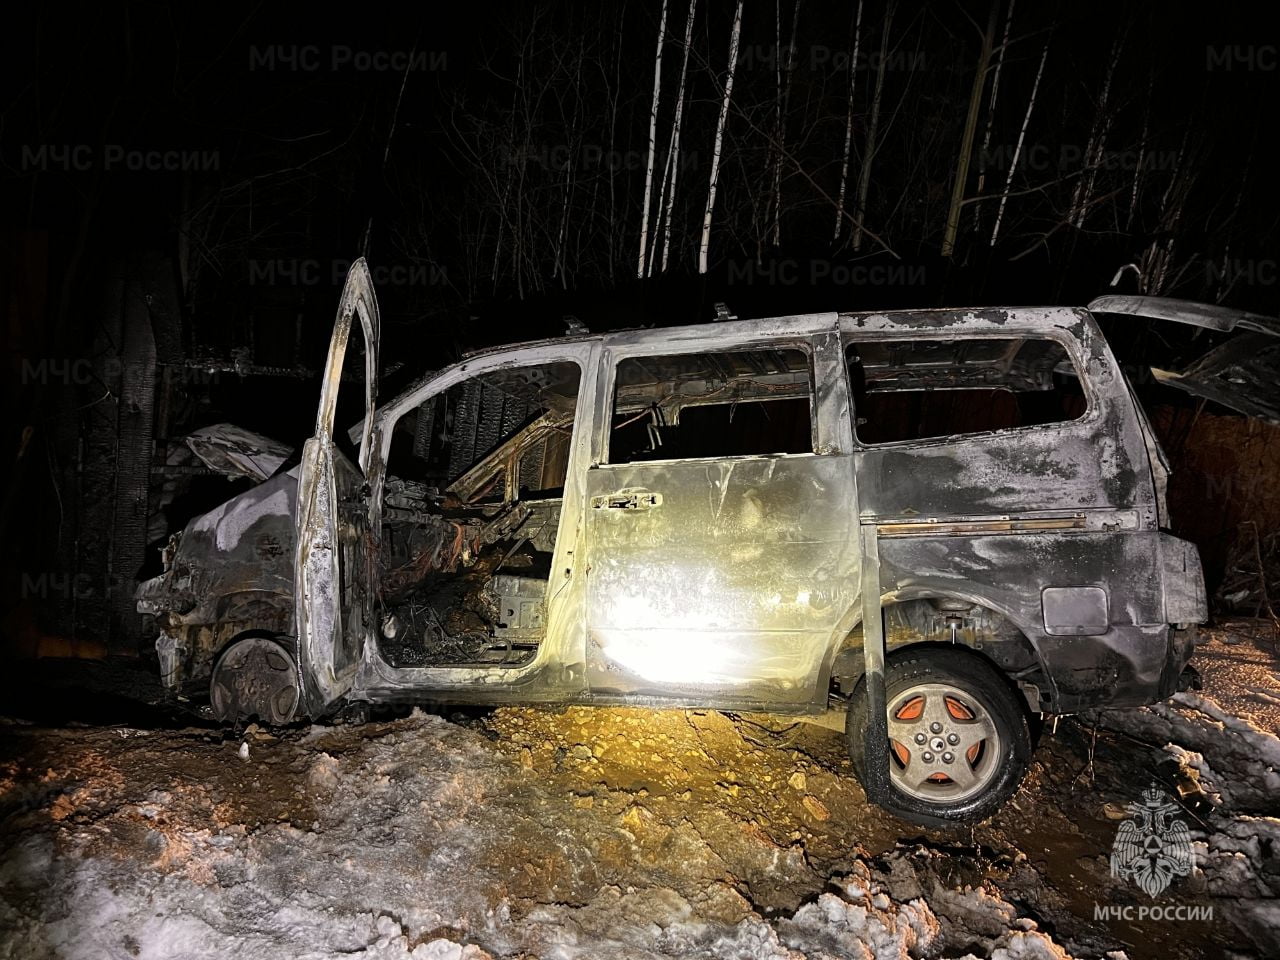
936 528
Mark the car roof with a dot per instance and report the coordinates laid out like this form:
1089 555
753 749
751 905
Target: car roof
974 318
964 320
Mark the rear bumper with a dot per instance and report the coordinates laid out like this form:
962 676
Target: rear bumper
1185 606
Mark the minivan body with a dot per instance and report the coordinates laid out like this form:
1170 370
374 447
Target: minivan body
707 516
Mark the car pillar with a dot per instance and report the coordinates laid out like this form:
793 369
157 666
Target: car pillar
876 739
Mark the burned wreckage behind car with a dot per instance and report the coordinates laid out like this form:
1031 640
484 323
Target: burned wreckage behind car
707 516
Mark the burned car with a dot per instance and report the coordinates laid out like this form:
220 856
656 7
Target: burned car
942 523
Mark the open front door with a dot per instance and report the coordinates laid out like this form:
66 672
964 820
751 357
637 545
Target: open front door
333 560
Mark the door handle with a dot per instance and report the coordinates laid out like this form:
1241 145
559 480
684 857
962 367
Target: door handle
627 500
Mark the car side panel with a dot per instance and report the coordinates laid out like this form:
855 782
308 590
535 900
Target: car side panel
730 589
1002 516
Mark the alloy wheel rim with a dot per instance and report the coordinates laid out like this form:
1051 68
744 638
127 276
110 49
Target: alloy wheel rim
944 743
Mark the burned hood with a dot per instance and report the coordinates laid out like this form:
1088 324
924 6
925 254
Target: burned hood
236 452
1241 372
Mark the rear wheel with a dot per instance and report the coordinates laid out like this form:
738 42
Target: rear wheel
959 743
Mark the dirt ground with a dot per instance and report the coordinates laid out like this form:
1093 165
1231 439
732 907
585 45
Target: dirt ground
622 833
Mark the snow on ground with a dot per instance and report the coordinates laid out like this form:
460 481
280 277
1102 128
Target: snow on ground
623 834
414 838
1235 756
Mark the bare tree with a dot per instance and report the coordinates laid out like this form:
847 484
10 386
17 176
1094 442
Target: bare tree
1142 153
970 130
1157 260
653 140
782 98
864 178
991 112
848 124
1096 144
719 142
1017 150
537 209
672 172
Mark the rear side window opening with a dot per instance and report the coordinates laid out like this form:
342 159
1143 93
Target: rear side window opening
715 405
906 390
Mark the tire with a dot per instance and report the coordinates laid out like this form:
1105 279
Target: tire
256 678
929 691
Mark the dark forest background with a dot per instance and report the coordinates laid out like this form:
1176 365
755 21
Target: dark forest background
183 188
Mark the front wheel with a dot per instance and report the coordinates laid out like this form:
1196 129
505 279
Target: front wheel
256 678
959 743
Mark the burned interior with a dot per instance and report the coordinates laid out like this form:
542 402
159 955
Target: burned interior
476 474
722 404
472 504
916 390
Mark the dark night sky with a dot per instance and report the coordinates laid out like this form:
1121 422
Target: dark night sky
249 152
290 138
295 105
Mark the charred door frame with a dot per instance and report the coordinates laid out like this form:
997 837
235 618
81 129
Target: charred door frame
323 619
555 672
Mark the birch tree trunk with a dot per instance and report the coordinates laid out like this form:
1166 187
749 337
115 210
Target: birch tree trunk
848 124
1227 278
781 100
1093 151
991 113
613 125
666 195
673 154
653 141
1157 258
775 147
864 177
719 142
970 130
574 140
1017 150
1142 155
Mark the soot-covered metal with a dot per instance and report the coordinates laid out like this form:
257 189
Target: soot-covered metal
611 544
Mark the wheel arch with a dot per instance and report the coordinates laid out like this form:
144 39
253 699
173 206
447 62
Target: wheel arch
229 618
1015 633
